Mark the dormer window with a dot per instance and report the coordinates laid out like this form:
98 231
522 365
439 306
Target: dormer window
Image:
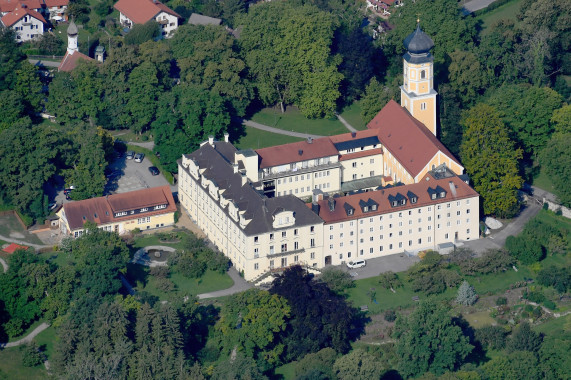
433 196
402 202
395 204
374 207
413 200
442 194
144 209
366 208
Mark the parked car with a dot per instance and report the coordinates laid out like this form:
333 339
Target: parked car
139 157
154 170
356 264
52 206
130 155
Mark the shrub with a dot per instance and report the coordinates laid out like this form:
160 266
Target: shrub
160 272
533 295
524 339
390 315
559 278
550 304
526 250
390 280
31 355
337 279
164 284
501 301
176 216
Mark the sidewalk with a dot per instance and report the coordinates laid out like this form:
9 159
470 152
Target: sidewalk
240 285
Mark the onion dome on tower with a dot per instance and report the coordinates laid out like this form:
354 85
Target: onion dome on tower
418 46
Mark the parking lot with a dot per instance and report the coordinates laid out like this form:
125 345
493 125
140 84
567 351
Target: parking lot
132 176
395 263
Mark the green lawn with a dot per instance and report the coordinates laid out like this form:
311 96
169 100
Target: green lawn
543 181
10 227
211 281
352 114
554 327
293 120
506 11
27 331
59 258
46 341
11 366
256 139
359 295
496 282
286 371
152 239
479 319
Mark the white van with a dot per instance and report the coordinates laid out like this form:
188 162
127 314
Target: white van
356 264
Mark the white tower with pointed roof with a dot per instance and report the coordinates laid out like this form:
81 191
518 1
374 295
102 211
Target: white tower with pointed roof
72 38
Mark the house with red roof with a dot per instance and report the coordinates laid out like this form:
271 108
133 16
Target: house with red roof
133 12
56 9
143 209
26 22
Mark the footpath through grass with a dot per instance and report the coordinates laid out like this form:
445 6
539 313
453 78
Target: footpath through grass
352 114
293 120
256 139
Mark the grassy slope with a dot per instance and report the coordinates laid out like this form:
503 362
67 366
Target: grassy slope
11 366
256 139
506 11
293 120
352 114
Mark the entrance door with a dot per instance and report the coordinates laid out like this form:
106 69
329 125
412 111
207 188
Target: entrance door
327 260
455 235
284 262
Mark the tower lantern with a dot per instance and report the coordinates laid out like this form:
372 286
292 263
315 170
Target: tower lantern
417 92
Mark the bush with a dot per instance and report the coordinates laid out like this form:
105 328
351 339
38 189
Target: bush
550 304
390 315
31 355
337 279
559 278
160 272
164 284
501 301
526 250
534 295
142 33
176 216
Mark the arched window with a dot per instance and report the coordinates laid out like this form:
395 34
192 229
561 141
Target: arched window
422 74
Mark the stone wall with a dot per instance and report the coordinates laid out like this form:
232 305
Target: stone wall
556 207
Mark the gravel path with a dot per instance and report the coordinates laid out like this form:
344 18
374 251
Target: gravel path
346 124
240 285
21 242
28 338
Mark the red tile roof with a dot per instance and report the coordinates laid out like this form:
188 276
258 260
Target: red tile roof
381 197
364 153
70 61
14 247
406 138
10 5
101 210
289 153
19 13
56 3
141 11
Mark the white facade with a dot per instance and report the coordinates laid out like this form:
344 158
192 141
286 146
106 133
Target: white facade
28 28
167 22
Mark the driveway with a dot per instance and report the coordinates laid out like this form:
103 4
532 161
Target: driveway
134 176
392 263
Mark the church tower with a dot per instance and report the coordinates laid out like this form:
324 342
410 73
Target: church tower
72 38
417 92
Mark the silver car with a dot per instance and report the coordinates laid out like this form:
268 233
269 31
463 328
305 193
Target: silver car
139 157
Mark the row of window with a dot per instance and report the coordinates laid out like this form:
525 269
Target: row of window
303 177
300 190
283 261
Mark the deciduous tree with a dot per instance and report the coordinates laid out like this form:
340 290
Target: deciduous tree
491 160
429 340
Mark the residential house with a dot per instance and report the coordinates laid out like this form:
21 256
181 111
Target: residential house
28 24
141 11
143 209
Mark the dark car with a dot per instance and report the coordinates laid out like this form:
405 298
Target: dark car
154 170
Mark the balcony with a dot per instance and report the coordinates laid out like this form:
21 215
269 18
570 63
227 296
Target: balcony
296 171
286 253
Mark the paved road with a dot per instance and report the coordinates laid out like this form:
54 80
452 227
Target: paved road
345 123
498 239
266 128
540 194
44 63
240 285
475 5
28 338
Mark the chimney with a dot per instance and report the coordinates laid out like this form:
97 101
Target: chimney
211 140
244 178
226 137
310 140
235 167
316 196
353 134
300 152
